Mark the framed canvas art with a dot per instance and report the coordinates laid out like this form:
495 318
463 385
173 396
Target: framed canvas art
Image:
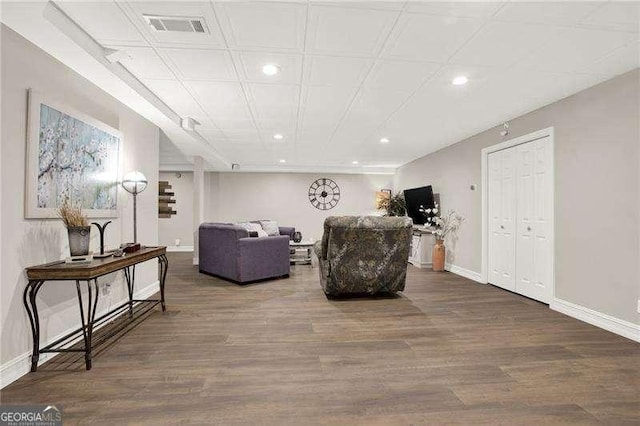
70 156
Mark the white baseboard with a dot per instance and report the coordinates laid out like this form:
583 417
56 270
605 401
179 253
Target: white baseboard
19 366
466 273
607 322
179 248
421 265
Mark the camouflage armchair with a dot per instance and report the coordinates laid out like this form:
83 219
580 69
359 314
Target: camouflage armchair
364 254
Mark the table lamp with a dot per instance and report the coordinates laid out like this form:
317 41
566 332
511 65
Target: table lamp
134 182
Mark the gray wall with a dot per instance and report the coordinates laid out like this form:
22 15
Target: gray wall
597 138
234 197
32 242
180 225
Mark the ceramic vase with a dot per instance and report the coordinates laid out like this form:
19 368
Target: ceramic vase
79 237
437 257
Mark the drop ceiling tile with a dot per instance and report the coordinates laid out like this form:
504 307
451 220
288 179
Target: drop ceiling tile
263 25
219 99
317 98
315 135
215 136
501 44
184 9
201 64
573 49
104 21
275 101
284 123
335 70
348 30
290 67
616 15
173 93
553 12
383 5
242 136
144 63
617 62
234 123
429 37
375 105
469 9
400 75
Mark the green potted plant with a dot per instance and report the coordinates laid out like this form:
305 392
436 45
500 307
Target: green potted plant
393 205
78 228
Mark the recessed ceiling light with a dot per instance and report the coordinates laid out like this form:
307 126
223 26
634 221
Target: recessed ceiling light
278 137
384 140
354 162
460 80
282 160
270 69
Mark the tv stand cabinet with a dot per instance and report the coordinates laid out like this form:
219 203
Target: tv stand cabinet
422 242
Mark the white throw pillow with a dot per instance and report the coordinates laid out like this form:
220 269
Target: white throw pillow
257 228
270 226
245 225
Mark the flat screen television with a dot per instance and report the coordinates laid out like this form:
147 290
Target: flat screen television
414 199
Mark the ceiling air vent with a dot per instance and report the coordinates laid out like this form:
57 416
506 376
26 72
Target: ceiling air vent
178 24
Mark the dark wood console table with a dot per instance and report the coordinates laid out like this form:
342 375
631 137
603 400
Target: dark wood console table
89 273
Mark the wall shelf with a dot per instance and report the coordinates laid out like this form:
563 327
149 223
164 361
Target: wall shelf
165 198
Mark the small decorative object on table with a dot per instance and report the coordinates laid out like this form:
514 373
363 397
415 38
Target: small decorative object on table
101 228
297 237
130 247
442 227
78 228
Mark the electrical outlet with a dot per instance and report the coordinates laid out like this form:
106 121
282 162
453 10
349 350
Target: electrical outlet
638 309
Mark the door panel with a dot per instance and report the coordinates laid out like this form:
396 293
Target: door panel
520 209
507 222
543 191
495 176
502 208
525 240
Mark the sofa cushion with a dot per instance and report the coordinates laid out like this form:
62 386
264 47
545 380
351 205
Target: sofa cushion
270 226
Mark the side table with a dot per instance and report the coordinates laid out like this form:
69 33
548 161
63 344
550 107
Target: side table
300 253
89 273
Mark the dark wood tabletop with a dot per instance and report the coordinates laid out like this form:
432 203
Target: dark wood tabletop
60 270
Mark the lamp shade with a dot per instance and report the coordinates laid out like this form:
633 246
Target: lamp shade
134 182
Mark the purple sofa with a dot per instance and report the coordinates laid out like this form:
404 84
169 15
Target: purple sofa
227 251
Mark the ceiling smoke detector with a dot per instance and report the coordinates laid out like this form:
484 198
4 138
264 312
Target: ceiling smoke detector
179 24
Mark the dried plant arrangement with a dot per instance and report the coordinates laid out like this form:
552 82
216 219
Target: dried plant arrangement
71 215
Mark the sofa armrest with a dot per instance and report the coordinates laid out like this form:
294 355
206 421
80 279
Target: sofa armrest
287 230
265 256
262 245
317 248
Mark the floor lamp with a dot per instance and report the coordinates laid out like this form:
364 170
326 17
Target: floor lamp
134 182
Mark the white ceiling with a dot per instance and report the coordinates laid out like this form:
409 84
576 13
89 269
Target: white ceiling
353 72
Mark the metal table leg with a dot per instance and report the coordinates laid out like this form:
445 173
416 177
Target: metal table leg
164 267
130 276
29 300
87 322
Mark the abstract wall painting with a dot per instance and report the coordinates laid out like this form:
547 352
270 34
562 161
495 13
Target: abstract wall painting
70 156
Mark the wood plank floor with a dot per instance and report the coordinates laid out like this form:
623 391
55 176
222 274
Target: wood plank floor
447 350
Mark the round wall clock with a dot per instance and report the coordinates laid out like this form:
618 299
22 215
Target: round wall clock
324 194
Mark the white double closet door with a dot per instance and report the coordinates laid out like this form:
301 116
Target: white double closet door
520 210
